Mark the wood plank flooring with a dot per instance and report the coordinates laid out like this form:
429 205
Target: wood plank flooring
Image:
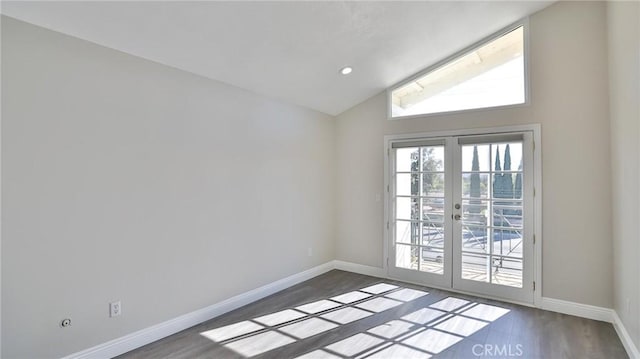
347 315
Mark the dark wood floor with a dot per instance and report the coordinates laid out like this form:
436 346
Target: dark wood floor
344 315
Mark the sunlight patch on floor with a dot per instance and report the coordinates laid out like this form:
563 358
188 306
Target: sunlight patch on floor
433 341
485 312
379 288
319 354
232 331
378 304
399 351
461 325
308 328
355 344
424 315
346 315
280 317
426 331
319 306
259 343
406 294
449 304
392 329
351 297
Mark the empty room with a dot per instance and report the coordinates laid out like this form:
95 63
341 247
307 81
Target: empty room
320 179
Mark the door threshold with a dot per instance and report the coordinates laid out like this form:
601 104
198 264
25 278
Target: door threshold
478 295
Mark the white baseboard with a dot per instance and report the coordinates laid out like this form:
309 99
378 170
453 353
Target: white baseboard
596 313
360 269
148 335
625 338
577 309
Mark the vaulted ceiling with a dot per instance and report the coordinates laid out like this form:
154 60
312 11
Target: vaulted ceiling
291 51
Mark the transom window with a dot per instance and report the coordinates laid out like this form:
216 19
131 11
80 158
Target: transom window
491 74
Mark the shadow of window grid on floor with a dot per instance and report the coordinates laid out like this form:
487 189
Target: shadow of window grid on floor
420 334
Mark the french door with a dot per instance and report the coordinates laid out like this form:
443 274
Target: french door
461 213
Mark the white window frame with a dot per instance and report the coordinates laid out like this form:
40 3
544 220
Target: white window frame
537 199
525 27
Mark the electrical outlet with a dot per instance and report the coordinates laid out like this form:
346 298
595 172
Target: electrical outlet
115 309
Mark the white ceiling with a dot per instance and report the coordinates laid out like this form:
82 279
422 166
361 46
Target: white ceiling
286 50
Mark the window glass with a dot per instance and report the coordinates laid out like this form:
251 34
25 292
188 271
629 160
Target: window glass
491 75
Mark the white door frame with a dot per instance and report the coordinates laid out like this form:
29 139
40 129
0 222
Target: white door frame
535 129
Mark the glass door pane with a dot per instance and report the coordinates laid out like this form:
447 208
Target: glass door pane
490 228
492 213
420 225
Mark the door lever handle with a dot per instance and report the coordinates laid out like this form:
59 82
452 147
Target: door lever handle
457 217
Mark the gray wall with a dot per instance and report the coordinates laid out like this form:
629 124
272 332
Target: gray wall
128 180
624 74
568 70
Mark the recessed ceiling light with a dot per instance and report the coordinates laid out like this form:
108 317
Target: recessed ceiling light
346 70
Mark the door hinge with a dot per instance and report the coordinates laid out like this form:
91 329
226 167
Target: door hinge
387 224
388 152
534 191
387 188
387 261
534 239
534 286
534 145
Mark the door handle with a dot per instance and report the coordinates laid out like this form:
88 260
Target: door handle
457 217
